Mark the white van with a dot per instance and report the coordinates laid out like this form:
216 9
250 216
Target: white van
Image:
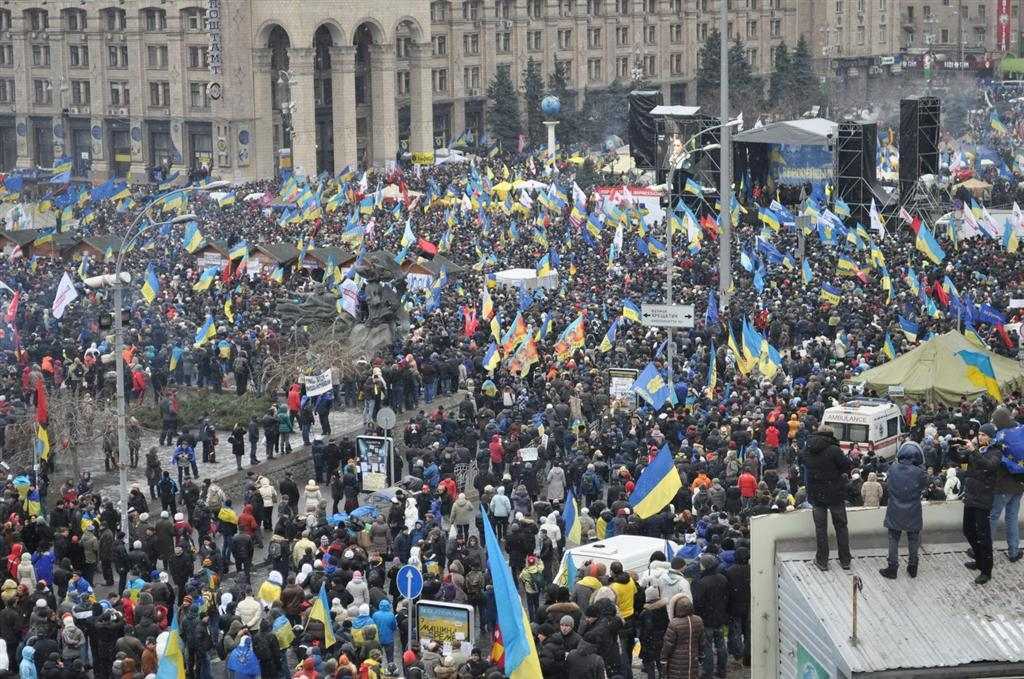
632 551
868 423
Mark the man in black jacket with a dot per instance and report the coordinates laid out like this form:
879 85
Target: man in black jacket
711 602
825 468
983 460
739 606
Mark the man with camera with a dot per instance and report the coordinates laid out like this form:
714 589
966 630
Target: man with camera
981 456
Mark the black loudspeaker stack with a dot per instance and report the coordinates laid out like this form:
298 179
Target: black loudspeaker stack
856 171
643 134
919 140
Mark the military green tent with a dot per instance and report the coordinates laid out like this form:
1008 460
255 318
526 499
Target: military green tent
933 373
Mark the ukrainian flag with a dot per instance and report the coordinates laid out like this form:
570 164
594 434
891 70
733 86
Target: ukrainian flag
544 266
908 327
830 294
45 236
657 248
492 359
980 372
176 354
486 305
515 334
175 201
712 378
207 332
657 486
206 279
226 200
753 343
651 387
193 240
609 338
278 275
996 122
150 284
240 250
630 311
229 310
321 611
42 443
1010 237
282 629
806 273
495 328
973 337
888 348
571 526
520 653
594 224
693 187
768 217
741 361
928 246
172 661
61 171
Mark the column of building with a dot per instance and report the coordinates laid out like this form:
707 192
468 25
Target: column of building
343 91
22 88
263 113
385 123
421 101
303 118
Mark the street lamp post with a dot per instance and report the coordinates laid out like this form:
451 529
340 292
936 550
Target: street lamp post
725 184
116 281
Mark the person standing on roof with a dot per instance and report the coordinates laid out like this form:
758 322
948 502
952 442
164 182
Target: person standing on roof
825 469
906 481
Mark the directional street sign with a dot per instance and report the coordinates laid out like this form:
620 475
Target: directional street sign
386 418
409 581
667 315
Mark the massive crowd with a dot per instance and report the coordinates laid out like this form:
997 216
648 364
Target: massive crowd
744 432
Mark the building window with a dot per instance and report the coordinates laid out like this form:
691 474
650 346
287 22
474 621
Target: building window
564 38
194 19
622 67
622 36
534 41
38 19
702 31
5 20
945 36
593 70
120 94
471 80
471 43
439 11
114 19
198 99
439 45
7 55
160 94
75 19
649 66
675 64
503 10
566 8
675 34
752 58
622 7
535 9
650 35
198 56
42 93
860 35
80 93
41 55
594 8
6 91
78 56
751 29
402 83
883 33
503 42
675 6
156 56
470 10
439 80
776 28
117 56
403 47
565 65
155 19
594 38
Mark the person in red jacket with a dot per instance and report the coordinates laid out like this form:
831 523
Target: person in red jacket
748 487
497 453
294 401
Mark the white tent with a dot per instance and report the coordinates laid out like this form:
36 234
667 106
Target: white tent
803 132
528 278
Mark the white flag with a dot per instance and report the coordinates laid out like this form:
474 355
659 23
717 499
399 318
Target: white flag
876 220
66 294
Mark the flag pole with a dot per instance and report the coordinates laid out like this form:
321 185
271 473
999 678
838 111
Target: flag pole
724 194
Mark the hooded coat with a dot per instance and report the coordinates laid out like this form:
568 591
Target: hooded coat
681 649
462 513
386 623
871 491
906 481
27 668
825 466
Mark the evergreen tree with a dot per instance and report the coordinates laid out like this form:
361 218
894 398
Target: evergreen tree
779 85
604 113
709 77
533 86
745 89
804 85
558 86
503 120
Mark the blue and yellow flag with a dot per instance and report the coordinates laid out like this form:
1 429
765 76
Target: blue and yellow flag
805 272
240 250
278 275
492 359
150 284
321 611
206 279
42 443
651 387
571 527
630 311
609 337
712 377
888 348
521 660
928 246
908 327
206 332
657 486
1010 238
980 372
172 661
544 266
282 629
193 239
831 294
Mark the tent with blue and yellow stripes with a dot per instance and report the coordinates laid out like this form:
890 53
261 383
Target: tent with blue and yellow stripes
933 372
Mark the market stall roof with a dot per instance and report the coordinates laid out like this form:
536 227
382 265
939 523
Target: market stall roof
932 372
804 132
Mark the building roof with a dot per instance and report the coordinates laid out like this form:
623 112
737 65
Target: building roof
803 132
939 619
282 253
21 236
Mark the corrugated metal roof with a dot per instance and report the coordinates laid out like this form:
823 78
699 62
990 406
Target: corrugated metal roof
939 619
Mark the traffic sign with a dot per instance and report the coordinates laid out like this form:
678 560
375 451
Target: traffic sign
667 315
386 418
409 581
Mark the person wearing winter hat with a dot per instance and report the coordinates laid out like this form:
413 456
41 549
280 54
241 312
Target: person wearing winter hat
906 481
982 457
1009 487
825 466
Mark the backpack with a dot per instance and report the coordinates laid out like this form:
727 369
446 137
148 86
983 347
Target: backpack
274 550
222 652
1012 441
590 484
475 582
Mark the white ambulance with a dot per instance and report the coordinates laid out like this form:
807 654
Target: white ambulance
867 424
